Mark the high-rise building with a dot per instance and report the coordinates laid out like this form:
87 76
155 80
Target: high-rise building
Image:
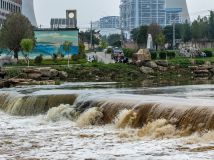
108 25
135 13
179 4
7 7
28 11
110 22
173 15
142 12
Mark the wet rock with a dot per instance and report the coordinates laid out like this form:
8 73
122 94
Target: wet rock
146 70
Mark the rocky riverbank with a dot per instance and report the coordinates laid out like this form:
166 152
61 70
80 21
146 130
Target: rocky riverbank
140 71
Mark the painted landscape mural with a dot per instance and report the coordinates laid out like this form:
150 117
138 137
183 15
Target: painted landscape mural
51 42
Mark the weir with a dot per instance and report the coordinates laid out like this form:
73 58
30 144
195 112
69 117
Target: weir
27 105
138 113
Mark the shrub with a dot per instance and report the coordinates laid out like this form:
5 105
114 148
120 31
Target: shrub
109 50
81 48
154 55
168 54
208 53
182 62
54 57
38 60
128 52
77 57
199 61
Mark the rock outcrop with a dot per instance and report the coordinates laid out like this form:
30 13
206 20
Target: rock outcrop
203 70
45 73
142 55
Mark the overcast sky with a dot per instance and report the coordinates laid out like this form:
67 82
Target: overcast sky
94 9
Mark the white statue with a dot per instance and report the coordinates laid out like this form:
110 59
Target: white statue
149 42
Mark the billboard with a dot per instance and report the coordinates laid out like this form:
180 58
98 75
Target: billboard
50 42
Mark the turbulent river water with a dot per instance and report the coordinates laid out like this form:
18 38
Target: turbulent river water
107 121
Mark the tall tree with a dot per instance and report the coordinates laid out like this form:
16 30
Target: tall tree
154 30
160 40
139 35
15 28
211 25
196 32
187 34
85 37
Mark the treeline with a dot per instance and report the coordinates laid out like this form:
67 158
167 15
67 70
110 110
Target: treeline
202 29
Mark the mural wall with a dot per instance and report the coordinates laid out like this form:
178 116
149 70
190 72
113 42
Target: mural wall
51 42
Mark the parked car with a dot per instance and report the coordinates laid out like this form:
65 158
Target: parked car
118 56
117 53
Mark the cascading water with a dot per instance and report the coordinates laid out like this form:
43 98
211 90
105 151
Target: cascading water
83 121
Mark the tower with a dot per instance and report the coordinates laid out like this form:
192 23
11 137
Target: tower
179 4
28 11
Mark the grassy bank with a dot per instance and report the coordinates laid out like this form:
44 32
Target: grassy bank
108 72
119 73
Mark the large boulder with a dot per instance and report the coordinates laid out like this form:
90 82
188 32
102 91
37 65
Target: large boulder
142 55
146 70
151 64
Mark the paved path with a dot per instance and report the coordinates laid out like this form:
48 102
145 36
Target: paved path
102 57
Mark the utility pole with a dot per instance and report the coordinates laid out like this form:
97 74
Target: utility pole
91 37
174 35
121 28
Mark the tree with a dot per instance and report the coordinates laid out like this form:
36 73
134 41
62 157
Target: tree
195 29
160 40
86 37
103 44
27 46
139 35
114 40
211 25
154 30
187 34
15 28
67 45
